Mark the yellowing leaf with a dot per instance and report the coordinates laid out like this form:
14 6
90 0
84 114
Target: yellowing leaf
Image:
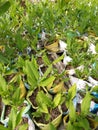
23 89
2 48
53 47
57 100
58 87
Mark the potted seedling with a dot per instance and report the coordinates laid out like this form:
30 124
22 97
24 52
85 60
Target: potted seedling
36 81
48 110
79 118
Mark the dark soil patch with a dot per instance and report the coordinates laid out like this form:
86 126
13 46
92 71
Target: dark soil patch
33 97
9 77
7 111
54 114
64 108
43 69
40 61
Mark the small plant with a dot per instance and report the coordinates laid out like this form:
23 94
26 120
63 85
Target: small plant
46 107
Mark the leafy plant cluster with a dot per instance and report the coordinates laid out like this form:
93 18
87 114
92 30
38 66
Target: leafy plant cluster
26 64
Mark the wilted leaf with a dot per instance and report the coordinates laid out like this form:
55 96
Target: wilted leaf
58 87
53 47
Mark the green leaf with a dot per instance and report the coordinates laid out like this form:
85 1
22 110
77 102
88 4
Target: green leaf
20 62
32 81
32 70
3 85
42 99
47 72
72 91
43 108
4 7
82 123
23 127
57 99
58 59
46 60
3 128
3 59
47 81
51 126
12 119
85 105
94 89
72 112
96 48
19 116
70 126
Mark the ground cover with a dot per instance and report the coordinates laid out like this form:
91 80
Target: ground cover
48 64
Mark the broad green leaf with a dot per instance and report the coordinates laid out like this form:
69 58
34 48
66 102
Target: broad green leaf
46 60
43 108
82 123
4 7
19 116
6 101
57 99
32 70
47 81
72 112
85 105
12 119
51 126
96 48
32 81
23 127
3 128
70 126
4 59
94 89
3 85
20 62
42 99
72 91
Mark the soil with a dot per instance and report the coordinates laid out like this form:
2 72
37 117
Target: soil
40 61
54 114
7 111
64 108
33 97
43 69
9 77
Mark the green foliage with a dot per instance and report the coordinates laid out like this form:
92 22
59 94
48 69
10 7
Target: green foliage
4 6
15 118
